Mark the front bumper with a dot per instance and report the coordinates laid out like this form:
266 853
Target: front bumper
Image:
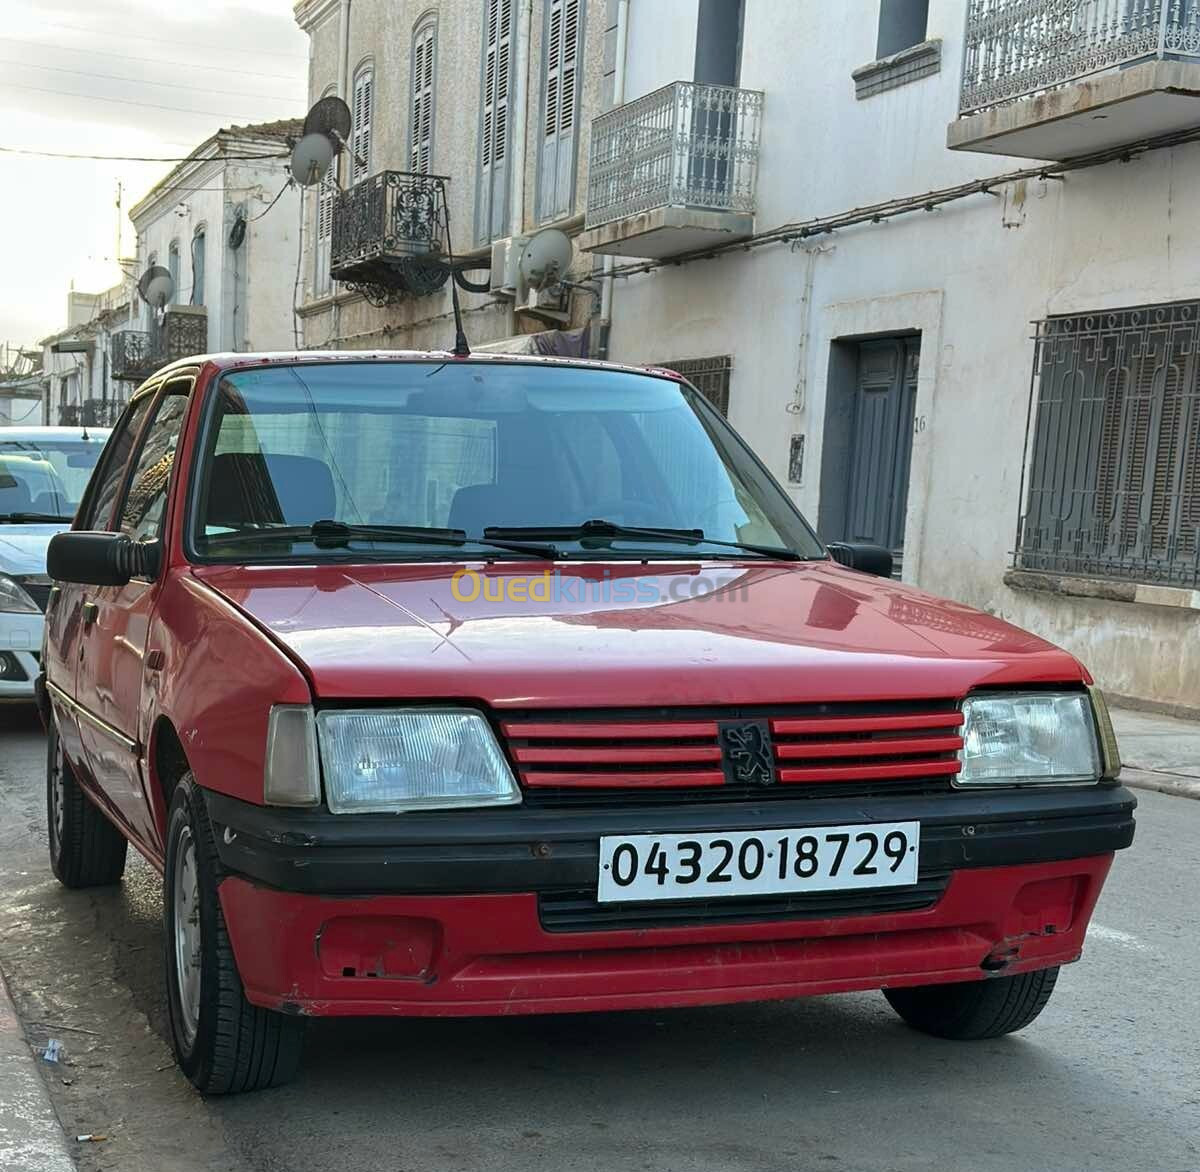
444 914
21 639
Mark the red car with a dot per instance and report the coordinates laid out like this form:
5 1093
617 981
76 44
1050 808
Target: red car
439 685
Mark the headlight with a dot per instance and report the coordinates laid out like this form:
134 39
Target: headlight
14 600
1044 738
393 760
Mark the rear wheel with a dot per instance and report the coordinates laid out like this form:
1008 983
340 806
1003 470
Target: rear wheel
86 849
973 1010
222 1043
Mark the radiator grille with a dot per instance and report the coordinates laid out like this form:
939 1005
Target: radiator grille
669 754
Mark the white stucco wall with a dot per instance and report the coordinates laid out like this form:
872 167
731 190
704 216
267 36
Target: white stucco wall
971 277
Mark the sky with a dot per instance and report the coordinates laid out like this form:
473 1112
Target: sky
117 77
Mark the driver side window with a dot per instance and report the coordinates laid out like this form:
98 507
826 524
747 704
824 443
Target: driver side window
145 503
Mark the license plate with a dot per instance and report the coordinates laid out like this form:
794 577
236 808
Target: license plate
758 862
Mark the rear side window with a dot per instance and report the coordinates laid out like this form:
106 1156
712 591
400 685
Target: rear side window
146 499
98 509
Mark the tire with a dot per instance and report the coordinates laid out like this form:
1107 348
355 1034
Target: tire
974 1010
86 849
222 1043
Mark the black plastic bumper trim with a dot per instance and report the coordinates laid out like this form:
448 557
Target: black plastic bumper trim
519 850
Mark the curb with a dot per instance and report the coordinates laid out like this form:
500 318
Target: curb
1175 784
31 1137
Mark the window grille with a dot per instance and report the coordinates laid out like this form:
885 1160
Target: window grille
1113 470
710 376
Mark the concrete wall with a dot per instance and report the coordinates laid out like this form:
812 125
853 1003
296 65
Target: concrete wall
381 31
970 277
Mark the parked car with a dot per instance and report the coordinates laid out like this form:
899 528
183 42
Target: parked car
43 472
443 686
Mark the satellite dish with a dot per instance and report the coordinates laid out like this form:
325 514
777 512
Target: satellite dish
330 117
156 287
311 159
546 258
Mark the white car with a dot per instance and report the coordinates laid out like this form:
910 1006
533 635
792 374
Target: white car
43 472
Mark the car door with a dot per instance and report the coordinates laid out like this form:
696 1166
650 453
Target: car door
116 621
65 622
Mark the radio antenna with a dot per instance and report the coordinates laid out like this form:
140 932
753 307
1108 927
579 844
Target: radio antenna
462 348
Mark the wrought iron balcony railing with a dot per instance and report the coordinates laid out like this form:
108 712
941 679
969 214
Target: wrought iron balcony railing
137 354
1019 48
685 145
388 236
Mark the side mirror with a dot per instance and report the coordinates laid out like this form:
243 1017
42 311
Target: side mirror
100 559
868 559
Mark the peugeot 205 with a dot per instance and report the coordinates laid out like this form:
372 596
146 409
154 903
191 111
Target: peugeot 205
445 685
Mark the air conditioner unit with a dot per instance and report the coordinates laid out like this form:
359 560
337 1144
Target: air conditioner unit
506 259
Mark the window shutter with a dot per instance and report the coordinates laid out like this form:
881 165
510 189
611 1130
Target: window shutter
325 197
360 136
556 171
492 196
421 117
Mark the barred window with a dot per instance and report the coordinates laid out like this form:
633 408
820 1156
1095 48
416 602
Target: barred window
710 376
1113 472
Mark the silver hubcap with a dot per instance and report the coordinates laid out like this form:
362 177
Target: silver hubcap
57 796
186 903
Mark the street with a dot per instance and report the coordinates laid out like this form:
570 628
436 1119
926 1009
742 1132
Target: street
1106 1079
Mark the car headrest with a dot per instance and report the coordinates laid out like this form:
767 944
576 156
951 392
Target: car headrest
253 488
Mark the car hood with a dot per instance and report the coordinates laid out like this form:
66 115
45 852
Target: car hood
620 634
23 547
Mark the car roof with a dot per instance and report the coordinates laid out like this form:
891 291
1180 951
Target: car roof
233 361
39 433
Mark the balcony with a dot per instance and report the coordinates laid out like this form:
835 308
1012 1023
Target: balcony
674 171
1051 79
388 234
137 354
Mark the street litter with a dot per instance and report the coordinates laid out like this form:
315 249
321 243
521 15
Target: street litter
53 1051
90 1139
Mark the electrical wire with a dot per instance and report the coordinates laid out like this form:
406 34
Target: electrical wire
171 85
90 53
37 89
903 205
299 269
133 158
278 197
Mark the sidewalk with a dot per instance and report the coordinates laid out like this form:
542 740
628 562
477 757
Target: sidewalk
31 1139
1159 752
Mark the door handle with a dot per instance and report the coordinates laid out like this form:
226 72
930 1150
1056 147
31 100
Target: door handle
91 612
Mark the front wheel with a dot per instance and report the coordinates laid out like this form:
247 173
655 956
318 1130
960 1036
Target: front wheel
972 1010
86 849
222 1043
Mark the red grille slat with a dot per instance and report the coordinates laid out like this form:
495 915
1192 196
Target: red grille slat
616 755
667 779
882 747
869 772
605 731
805 726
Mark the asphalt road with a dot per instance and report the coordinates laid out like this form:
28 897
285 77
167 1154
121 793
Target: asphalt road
1107 1078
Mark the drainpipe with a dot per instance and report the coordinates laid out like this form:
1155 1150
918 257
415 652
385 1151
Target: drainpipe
335 311
516 196
606 288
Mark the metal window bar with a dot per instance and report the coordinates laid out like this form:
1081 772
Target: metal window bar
1017 48
710 376
1111 475
686 145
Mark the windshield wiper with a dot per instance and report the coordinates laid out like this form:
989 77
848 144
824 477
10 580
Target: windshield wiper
610 529
33 518
339 534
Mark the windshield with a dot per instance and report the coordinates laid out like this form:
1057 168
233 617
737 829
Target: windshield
46 476
462 448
